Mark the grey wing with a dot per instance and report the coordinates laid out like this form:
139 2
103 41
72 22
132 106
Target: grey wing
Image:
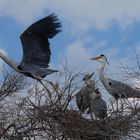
98 103
99 108
103 105
82 100
36 47
120 89
79 98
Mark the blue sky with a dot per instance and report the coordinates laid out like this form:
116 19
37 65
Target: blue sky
90 28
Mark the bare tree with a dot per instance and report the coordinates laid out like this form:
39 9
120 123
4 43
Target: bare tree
34 112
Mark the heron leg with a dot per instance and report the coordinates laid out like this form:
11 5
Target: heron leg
91 115
40 79
117 106
44 87
122 108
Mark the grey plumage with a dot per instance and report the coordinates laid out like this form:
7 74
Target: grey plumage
82 100
116 88
98 106
89 98
36 48
121 90
83 97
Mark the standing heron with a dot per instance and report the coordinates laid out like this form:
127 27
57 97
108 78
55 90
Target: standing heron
98 105
36 48
83 98
90 98
116 88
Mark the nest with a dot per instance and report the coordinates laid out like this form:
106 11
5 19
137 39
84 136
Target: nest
69 124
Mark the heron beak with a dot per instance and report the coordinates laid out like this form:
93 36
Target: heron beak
107 61
87 77
95 58
91 75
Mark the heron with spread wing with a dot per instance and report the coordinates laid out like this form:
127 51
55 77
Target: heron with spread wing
116 88
36 48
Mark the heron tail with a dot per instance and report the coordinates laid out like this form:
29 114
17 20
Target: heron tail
50 71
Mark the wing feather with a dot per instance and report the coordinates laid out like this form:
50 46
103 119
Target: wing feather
36 47
121 89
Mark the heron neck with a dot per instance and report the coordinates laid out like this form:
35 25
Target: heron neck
9 62
101 72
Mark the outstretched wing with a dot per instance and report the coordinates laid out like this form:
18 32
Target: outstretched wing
36 47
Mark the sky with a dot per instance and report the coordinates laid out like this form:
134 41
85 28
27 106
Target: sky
89 28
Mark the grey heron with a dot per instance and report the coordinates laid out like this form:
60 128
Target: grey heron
83 96
36 48
98 105
89 98
116 88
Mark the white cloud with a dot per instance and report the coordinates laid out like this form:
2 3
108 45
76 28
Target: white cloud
23 11
83 14
76 54
98 13
79 17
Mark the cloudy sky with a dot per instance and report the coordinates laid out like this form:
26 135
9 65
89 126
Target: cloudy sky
90 28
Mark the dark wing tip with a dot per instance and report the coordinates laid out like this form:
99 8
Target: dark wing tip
55 25
48 26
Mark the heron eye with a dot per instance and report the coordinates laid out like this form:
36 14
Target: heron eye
110 83
19 67
102 55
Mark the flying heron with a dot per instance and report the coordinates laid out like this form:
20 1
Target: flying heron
116 88
36 48
83 98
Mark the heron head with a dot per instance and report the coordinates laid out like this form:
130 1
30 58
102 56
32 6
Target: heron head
88 81
88 76
102 58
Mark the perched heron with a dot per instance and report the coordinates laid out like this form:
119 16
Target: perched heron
83 98
89 98
36 48
116 88
98 105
